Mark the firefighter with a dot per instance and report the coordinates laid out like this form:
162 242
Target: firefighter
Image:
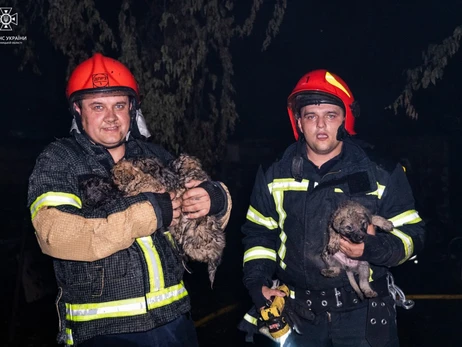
119 274
287 222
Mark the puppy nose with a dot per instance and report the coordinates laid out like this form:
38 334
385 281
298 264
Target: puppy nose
358 237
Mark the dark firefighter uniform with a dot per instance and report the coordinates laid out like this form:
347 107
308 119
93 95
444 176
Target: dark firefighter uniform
117 281
286 227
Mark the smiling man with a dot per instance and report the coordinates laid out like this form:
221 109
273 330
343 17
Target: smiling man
118 270
106 121
287 223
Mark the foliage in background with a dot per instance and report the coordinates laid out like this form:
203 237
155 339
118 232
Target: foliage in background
178 50
435 59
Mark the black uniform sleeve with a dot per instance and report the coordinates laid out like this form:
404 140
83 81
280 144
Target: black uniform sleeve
408 236
260 241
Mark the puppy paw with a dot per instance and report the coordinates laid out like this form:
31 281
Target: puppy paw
370 293
329 272
388 226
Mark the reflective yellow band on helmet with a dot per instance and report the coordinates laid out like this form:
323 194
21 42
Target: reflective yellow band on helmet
408 217
331 79
54 199
259 253
166 296
111 309
254 216
286 184
155 273
250 319
407 242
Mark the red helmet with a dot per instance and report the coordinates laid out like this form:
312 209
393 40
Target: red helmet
100 74
322 86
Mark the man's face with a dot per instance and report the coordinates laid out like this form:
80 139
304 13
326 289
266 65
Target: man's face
319 125
106 119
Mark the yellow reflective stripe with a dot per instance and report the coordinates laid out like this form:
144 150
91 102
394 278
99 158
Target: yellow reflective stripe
371 272
69 338
278 196
407 242
250 319
379 191
408 217
259 253
292 294
54 199
288 184
331 79
111 309
254 216
155 273
282 249
170 239
338 190
166 296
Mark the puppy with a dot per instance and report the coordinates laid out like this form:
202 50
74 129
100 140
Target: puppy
201 239
351 221
97 191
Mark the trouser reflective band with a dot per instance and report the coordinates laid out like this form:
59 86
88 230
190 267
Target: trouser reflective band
166 296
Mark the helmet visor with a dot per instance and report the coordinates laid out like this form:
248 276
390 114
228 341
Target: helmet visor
313 98
101 92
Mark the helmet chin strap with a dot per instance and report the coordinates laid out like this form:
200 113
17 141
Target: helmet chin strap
341 132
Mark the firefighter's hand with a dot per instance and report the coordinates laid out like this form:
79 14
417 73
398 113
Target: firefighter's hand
196 201
176 205
354 250
268 293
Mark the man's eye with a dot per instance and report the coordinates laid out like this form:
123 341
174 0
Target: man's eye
309 117
120 107
331 116
97 107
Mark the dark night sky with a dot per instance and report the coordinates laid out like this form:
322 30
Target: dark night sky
369 46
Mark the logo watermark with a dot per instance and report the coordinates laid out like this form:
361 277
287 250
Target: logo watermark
7 20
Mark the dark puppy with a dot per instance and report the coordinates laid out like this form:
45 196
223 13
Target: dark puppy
201 239
350 221
97 191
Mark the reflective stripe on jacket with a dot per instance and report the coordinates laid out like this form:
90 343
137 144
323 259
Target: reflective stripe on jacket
286 226
110 278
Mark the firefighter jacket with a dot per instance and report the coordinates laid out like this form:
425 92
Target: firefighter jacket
287 221
116 266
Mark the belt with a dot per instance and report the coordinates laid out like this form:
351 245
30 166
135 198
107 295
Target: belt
334 299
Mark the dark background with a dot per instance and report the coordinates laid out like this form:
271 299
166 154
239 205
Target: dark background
369 45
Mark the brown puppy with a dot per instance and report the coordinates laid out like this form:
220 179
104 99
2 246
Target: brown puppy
201 239
351 221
